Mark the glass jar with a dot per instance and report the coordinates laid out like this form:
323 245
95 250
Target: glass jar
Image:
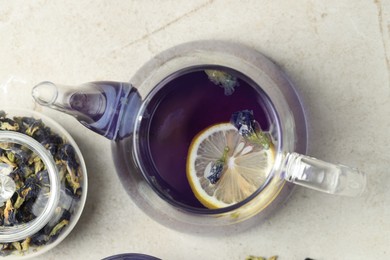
43 183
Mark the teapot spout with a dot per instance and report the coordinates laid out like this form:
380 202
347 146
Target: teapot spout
107 108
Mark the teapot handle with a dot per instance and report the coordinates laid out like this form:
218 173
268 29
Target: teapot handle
323 176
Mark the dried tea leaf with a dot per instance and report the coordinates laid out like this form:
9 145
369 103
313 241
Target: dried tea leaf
9 214
17 246
59 227
5 160
251 257
19 202
26 244
9 125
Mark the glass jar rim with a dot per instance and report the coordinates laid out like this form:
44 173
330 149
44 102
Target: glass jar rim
16 233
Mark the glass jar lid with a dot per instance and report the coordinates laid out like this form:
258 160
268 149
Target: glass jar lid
29 186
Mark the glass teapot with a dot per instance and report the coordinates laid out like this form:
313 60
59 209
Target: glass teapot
154 120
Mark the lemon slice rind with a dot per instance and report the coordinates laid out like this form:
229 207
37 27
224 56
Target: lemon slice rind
246 168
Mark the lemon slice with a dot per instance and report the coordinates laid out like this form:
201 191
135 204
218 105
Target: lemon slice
246 166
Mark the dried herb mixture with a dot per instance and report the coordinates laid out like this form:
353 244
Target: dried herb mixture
32 182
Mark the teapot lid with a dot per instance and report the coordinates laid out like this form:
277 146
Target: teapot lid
29 186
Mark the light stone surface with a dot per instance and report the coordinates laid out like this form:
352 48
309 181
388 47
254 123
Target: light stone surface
337 53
